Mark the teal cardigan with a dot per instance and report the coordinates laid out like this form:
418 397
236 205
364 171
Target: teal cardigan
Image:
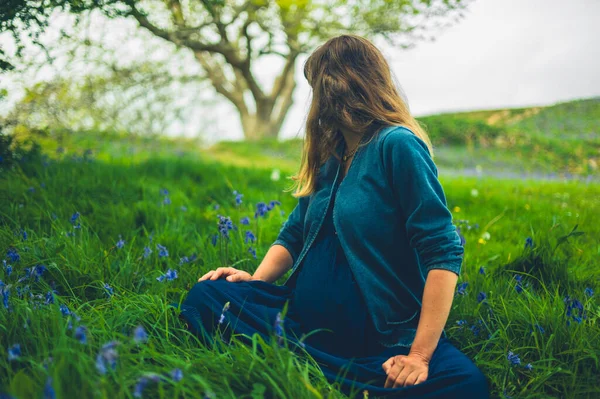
392 221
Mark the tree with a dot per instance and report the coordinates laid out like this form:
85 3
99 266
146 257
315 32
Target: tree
226 37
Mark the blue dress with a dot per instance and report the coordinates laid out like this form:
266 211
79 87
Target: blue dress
326 318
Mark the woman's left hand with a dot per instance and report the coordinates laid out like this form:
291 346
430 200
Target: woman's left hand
404 371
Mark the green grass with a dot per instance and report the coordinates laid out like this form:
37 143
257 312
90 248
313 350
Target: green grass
117 191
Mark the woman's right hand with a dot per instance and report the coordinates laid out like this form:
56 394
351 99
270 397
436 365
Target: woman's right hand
229 273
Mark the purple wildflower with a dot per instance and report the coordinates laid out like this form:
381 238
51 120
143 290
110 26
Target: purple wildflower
261 210
140 335
225 224
461 289
14 352
238 197
49 392
167 201
249 237
13 255
272 204
528 366
245 220
80 334
164 191
170 275
252 252
513 358
589 292
120 243
64 310
162 250
177 375
107 357
147 252
461 322
108 290
74 217
481 297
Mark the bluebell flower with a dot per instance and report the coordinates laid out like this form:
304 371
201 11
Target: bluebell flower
529 242
49 390
80 334
225 224
261 209
540 328
64 310
147 252
589 292
13 255
74 217
23 235
216 206
238 197
140 335
272 204
164 191
481 297
4 290
37 271
461 322
170 275
183 260
577 319
7 268
183 208
49 298
107 357
475 329
176 375
513 358
245 220
279 327
139 387
14 352
481 270
167 201
213 239
249 237
108 290
225 309
528 366
162 251
252 252
120 243
461 289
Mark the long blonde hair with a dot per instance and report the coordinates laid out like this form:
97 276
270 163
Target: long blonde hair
353 90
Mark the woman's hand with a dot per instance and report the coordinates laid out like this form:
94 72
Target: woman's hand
230 274
403 370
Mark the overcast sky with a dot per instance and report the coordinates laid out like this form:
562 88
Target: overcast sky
503 53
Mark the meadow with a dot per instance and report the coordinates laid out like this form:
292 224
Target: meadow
99 234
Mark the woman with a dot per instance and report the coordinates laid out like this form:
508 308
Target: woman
373 251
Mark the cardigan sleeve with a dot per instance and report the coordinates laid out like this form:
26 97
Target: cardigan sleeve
414 179
291 233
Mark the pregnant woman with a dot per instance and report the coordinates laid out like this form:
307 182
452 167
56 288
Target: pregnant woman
373 251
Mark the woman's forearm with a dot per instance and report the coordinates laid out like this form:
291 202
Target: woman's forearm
276 262
436 304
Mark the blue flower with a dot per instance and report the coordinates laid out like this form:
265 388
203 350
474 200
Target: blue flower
120 243
481 270
252 252
529 242
225 224
461 288
64 310
183 208
183 260
170 275
13 255
461 322
164 191
140 335
7 268
481 297
23 235
162 251
540 328
49 390
216 206
74 217
528 366
238 197
49 298
249 237
588 291
513 358
245 220
109 290
279 327
5 294
167 201
80 334
225 309
213 239
14 352
272 204
107 357
177 375
261 209
147 252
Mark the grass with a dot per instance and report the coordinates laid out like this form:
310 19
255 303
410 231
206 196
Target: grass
117 194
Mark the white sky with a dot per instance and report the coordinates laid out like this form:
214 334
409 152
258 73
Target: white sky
504 53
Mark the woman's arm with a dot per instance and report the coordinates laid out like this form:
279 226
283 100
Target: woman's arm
437 301
276 262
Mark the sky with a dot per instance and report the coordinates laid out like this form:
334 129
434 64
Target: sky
503 53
